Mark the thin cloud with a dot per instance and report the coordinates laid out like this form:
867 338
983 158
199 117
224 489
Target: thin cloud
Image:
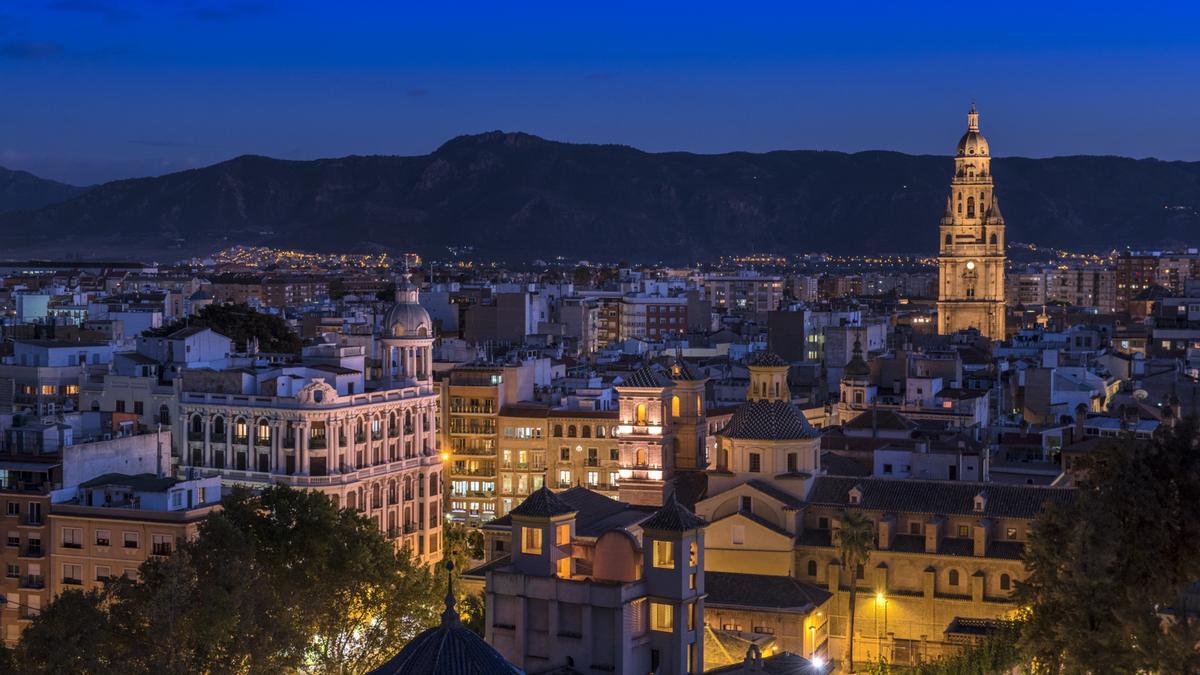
30 51
108 10
231 11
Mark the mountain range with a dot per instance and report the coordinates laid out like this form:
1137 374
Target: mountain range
518 196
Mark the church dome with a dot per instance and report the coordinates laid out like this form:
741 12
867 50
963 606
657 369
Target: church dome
407 318
973 144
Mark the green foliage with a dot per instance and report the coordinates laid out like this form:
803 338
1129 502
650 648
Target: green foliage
996 653
1100 569
855 537
473 611
240 323
278 582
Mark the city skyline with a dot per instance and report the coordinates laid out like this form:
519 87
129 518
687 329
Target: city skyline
114 90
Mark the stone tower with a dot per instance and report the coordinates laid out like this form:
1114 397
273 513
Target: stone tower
971 235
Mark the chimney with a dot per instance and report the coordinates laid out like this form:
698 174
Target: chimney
933 533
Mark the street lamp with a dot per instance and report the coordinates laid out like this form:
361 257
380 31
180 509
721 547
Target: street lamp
881 599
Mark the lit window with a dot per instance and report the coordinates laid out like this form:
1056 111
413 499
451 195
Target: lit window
564 568
662 617
664 554
563 535
531 540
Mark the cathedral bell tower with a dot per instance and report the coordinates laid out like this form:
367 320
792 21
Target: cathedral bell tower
971 235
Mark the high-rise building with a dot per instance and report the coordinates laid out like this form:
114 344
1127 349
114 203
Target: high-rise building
971 257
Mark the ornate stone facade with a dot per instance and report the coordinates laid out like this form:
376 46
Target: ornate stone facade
971 259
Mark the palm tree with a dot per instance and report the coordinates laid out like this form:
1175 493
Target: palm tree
855 537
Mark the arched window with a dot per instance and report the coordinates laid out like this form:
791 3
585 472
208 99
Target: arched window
993 239
860 572
947 240
197 424
408 488
262 432
970 207
1005 582
953 577
571 431
218 426
675 406
393 493
558 430
433 484
640 413
600 431
812 568
639 457
585 431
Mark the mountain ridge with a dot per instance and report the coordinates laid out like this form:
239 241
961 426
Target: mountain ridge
517 195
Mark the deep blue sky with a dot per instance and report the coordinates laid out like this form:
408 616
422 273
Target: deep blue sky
93 90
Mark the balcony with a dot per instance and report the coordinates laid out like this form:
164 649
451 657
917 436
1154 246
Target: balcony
217 438
32 581
196 436
32 552
317 443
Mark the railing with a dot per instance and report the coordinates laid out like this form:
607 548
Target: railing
317 444
32 581
195 436
217 438
242 440
33 552
72 581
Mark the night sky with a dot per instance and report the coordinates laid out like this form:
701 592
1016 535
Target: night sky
93 90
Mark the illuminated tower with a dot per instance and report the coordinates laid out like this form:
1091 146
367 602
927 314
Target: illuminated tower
971 257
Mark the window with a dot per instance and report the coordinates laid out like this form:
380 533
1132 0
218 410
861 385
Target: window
14 508
691 616
964 531
952 577
692 581
747 503
614 455
130 539
564 476
860 573
564 454
72 575
14 539
531 540
102 538
564 568
71 537
562 535
1005 582
812 568
792 463
160 544
640 414
693 557
887 468
138 408
737 534
674 406
914 527
662 617
12 570
103 572
1011 533
755 463
823 523
664 554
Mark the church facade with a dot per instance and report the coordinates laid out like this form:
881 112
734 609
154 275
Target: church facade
971 255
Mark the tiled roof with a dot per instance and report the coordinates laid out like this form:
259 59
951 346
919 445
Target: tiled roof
646 377
757 519
780 495
543 504
762 590
840 465
766 359
881 419
595 513
779 663
673 517
769 420
937 497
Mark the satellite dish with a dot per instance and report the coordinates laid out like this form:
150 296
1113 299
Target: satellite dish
1140 394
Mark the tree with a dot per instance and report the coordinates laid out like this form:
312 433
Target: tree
240 323
1104 570
275 582
855 537
73 634
473 611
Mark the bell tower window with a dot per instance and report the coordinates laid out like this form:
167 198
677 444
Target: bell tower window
970 207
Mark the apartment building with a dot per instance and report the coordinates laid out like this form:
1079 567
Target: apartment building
368 445
109 525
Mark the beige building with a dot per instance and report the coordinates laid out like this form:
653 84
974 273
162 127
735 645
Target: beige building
971 255
113 523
